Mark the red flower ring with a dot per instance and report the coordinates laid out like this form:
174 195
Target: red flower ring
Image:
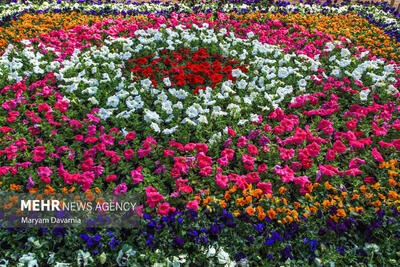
197 70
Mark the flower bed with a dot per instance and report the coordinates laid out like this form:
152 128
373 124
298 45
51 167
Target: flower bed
246 137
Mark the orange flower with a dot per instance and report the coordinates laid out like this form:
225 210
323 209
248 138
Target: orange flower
392 182
392 195
33 190
282 190
241 202
256 193
341 213
250 210
359 209
296 205
377 203
13 199
261 216
271 214
227 195
249 199
222 203
90 196
49 190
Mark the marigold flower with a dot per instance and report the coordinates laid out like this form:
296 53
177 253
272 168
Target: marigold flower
392 195
282 190
377 203
271 213
341 213
250 210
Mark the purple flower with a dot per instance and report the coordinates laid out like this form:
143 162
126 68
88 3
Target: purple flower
30 183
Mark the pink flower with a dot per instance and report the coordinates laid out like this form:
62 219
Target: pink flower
287 124
242 141
116 159
369 180
353 172
202 148
206 171
265 187
229 153
153 198
223 161
45 179
385 144
252 177
339 147
302 180
168 152
379 130
119 189
137 177
222 180
252 149
164 209
44 171
351 125
38 153
138 210
330 155
44 107
279 129
286 154
313 149
277 114
355 163
326 127
194 205
329 170
144 152
9 105
203 160
79 137
110 178
377 155
396 144
130 136
262 168
128 154
231 132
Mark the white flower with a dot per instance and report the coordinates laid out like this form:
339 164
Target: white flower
181 94
211 252
34 242
283 73
146 83
151 116
302 83
170 131
236 73
242 84
167 82
28 260
155 127
113 101
178 105
254 117
104 114
364 95
250 35
192 112
203 119
223 257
